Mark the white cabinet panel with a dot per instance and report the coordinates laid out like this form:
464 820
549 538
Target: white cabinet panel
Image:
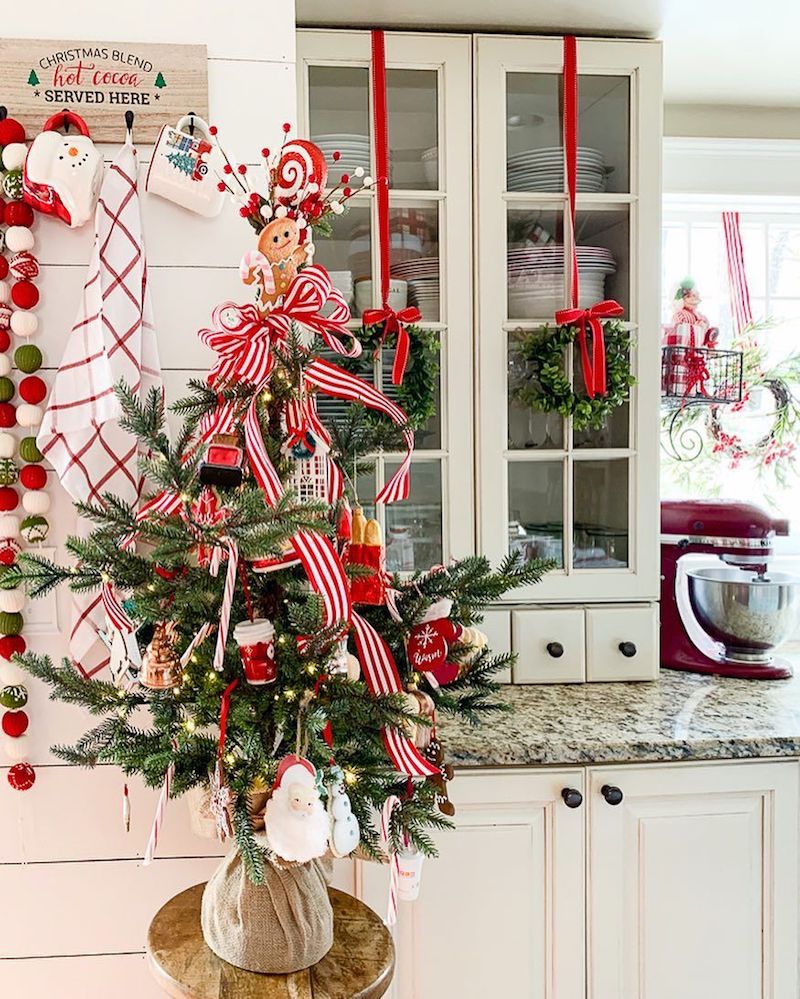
550 645
500 912
692 887
622 642
496 626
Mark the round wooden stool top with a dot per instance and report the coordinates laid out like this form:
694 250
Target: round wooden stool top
360 964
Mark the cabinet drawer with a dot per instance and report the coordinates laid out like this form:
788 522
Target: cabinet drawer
611 632
550 645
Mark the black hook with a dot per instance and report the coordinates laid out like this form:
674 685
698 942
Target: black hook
3 112
192 117
66 123
129 122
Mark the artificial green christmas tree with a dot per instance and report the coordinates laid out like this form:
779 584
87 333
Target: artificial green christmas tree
254 630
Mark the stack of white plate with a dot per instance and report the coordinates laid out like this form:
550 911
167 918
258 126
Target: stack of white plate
536 279
354 151
422 274
543 170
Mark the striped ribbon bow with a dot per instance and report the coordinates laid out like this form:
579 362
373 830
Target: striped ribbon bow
394 324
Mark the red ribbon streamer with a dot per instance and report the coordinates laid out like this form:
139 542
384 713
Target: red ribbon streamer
394 322
594 368
223 715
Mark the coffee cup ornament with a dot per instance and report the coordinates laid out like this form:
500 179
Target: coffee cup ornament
62 173
256 641
184 167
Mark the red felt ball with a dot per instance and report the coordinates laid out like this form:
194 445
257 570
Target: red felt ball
22 776
8 415
24 295
9 500
14 723
11 131
2 210
12 645
33 477
5 341
19 213
3 264
32 389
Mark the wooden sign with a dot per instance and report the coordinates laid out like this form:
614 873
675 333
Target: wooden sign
100 81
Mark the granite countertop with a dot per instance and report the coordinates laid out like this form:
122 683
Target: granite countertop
680 716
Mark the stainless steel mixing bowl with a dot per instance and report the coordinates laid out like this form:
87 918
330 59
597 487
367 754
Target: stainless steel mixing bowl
750 615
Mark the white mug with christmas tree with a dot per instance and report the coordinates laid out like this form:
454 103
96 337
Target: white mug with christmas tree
184 167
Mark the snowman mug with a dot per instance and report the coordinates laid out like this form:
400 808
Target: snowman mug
182 169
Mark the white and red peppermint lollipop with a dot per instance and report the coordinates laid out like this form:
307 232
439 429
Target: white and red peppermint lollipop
301 163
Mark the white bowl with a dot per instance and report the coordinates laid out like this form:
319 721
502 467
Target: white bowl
398 295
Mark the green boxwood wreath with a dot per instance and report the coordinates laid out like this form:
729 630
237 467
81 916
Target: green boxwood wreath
546 388
417 395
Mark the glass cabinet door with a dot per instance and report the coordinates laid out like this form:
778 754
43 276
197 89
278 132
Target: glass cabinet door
430 266
549 490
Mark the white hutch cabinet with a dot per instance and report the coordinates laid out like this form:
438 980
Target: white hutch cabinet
479 219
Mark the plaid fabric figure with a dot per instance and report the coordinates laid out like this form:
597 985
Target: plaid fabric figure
113 340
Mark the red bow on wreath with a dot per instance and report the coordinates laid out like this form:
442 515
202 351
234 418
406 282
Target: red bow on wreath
594 368
394 323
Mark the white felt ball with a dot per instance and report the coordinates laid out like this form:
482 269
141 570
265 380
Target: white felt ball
8 443
16 749
35 501
23 323
19 237
9 524
11 674
29 416
14 155
12 601
5 291
5 368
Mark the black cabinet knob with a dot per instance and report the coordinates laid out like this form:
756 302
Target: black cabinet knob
572 797
628 649
555 649
612 794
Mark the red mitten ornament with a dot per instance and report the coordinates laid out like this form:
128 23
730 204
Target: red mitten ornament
430 641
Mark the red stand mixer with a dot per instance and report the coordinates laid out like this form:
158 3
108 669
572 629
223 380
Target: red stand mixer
725 619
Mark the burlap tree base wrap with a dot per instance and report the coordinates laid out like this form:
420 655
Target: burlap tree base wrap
279 927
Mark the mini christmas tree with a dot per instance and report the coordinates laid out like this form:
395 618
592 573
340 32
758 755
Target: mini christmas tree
160 81
242 596
184 162
33 79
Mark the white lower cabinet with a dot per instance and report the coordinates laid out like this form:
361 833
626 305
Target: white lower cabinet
501 912
686 888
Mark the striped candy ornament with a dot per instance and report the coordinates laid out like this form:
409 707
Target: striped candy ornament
391 803
158 820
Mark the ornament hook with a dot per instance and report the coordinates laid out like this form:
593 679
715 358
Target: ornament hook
129 116
192 117
66 122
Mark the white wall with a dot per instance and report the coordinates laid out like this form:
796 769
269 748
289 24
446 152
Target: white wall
76 901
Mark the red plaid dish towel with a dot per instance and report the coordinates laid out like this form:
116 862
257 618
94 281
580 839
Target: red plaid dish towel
113 340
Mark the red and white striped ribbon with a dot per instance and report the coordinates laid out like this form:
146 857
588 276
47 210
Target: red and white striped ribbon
158 819
227 603
340 384
326 574
737 274
381 677
389 806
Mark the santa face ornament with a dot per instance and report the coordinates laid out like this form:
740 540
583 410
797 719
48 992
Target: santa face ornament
296 823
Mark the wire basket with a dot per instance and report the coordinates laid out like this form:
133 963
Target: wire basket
701 375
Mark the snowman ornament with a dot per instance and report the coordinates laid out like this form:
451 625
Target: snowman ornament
344 832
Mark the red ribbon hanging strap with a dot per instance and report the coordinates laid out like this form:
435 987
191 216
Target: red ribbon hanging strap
394 323
594 367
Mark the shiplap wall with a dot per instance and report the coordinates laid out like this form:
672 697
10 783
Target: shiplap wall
75 900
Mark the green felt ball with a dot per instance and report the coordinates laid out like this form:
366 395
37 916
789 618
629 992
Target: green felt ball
12 184
10 623
28 358
29 451
7 390
14 697
8 472
34 528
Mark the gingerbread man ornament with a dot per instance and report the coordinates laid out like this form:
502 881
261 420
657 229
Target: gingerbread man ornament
279 242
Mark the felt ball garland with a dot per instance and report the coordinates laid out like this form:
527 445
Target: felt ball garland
22 394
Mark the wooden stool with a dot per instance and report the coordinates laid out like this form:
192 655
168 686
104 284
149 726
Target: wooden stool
360 965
